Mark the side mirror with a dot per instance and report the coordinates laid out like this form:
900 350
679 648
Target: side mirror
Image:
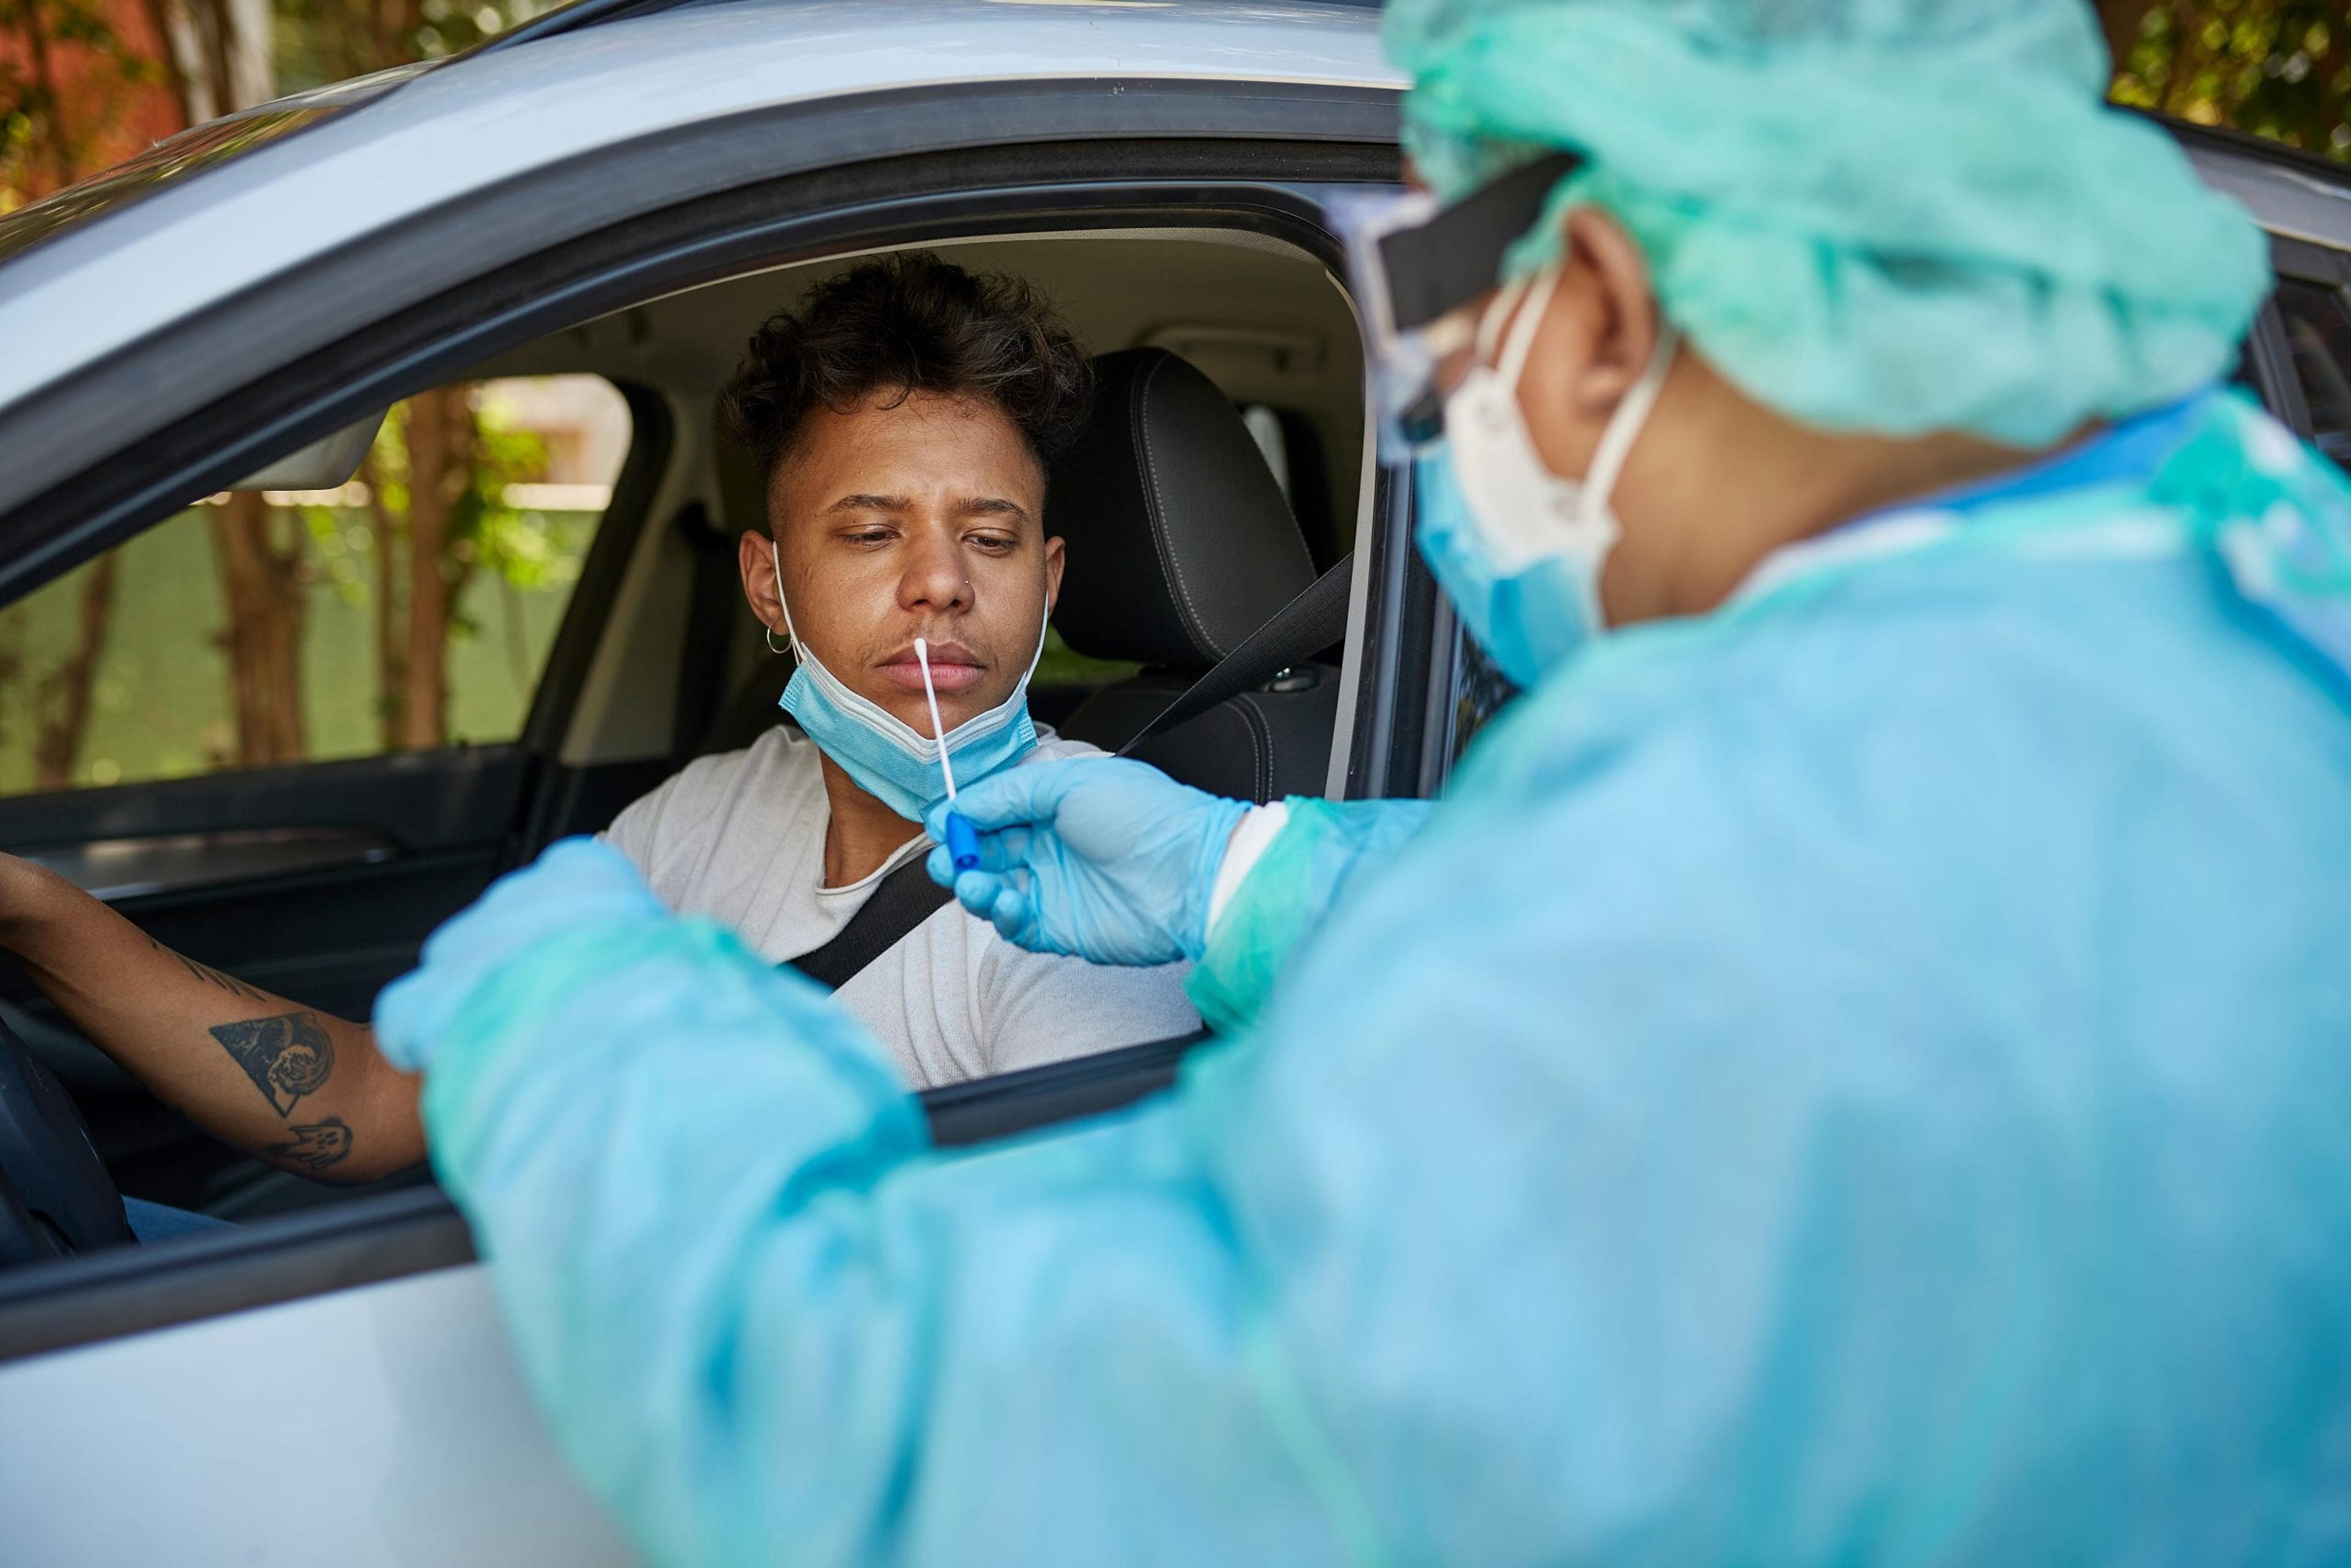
325 464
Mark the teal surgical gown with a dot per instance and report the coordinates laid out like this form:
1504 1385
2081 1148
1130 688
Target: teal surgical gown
1864 1075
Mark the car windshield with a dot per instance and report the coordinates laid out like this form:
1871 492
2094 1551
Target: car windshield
176 157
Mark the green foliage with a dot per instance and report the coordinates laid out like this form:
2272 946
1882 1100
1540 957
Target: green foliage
49 49
519 545
1061 665
320 41
2280 69
342 540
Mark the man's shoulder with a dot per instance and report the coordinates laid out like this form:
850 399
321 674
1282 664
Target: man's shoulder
1053 747
778 754
706 794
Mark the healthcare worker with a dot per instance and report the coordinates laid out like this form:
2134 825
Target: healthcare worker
1858 1067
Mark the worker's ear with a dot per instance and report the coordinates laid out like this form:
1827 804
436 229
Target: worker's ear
1607 282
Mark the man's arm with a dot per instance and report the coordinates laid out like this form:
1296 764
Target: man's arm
302 1089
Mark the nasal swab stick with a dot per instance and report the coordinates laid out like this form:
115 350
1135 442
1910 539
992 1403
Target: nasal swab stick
962 839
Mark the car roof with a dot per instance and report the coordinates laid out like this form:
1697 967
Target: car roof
128 271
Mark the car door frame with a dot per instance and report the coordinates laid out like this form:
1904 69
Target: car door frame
1247 175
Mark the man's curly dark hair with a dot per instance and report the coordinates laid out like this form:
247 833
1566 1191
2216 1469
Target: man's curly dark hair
907 323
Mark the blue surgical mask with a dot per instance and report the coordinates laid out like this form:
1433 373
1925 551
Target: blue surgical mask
890 761
1527 621
1517 549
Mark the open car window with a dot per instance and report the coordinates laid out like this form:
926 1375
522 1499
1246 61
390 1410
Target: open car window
410 608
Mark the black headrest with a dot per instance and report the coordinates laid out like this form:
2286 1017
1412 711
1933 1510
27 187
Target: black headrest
1180 543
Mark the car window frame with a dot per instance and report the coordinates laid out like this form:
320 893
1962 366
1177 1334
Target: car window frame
2313 266
1182 182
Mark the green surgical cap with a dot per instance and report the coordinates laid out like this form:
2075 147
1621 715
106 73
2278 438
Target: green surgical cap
1895 215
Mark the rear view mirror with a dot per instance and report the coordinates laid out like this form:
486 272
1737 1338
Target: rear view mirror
325 464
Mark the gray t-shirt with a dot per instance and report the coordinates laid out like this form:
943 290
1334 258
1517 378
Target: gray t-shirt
740 837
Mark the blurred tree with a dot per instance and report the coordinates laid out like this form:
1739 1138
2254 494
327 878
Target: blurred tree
61 696
266 573
216 59
437 480
2280 69
79 89
69 83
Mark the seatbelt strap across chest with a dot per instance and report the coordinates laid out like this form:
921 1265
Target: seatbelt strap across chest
902 901
1291 634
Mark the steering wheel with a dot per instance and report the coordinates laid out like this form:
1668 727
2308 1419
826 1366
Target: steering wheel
55 1196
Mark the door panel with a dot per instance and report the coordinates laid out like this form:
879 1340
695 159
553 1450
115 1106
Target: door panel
415 836
439 1456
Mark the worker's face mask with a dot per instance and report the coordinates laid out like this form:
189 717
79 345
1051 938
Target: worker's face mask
890 761
1517 549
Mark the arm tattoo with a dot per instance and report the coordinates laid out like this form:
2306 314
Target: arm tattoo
287 1057
317 1145
211 976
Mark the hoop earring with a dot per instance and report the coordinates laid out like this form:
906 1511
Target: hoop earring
769 633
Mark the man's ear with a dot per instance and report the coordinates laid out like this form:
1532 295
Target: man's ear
1607 282
755 555
1055 559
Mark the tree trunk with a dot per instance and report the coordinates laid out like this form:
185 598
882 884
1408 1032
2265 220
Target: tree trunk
59 137
2121 20
169 45
216 46
61 701
61 698
263 584
440 470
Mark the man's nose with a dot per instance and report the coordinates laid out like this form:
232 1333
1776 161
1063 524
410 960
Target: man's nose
934 577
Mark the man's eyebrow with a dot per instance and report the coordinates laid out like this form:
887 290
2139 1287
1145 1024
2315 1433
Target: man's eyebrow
871 504
996 506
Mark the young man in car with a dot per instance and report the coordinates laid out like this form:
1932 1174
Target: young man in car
903 422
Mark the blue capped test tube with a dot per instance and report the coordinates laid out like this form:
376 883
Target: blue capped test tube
962 839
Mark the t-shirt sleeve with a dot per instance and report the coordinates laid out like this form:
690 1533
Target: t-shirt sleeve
1040 1008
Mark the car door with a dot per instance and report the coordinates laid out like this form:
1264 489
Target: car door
354 1330
194 731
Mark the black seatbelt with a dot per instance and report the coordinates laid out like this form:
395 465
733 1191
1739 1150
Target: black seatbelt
903 900
1297 632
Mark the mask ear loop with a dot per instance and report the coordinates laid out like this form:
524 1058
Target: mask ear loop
1632 415
1521 345
1490 325
792 638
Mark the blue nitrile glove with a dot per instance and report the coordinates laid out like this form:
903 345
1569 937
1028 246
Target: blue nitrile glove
1105 859
576 884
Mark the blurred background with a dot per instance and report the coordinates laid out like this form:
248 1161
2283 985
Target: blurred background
412 607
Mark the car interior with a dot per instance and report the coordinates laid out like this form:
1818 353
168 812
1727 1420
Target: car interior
1225 471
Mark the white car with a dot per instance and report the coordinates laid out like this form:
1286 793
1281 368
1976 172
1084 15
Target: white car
622 190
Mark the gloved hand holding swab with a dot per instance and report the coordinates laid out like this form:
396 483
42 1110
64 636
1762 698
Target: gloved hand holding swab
962 839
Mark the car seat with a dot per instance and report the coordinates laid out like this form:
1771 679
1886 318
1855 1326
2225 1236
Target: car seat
1180 545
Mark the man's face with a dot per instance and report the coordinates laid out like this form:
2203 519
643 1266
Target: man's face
920 519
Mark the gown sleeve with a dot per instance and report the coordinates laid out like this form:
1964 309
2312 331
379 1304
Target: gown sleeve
1284 897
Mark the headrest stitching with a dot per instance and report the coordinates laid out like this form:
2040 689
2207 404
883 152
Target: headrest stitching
1162 539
